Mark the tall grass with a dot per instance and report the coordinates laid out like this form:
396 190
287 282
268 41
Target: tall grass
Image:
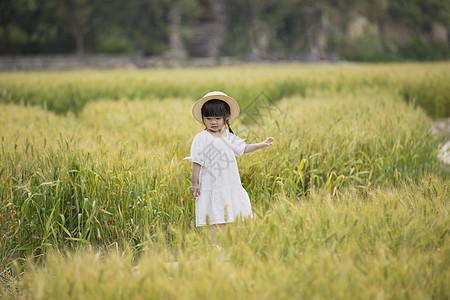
426 85
105 167
389 244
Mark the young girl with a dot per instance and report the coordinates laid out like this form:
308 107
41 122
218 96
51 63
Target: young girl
216 185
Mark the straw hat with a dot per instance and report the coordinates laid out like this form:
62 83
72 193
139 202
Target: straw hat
234 106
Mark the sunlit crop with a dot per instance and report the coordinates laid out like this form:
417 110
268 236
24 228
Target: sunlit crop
349 202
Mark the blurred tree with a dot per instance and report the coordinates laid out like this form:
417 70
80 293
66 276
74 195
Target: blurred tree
74 17
210 29
252 25
26 26
181 21
421 12
315 26
343 14
143 22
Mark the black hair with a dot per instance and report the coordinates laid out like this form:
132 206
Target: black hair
217 108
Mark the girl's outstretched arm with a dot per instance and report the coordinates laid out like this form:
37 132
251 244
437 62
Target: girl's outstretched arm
260 145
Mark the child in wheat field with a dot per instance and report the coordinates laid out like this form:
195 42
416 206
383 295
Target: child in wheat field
216 184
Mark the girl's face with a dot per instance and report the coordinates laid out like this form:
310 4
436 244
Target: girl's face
214 123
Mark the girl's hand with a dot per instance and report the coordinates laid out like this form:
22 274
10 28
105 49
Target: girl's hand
267 142
195 191
252 147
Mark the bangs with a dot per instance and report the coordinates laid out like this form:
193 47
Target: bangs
215 108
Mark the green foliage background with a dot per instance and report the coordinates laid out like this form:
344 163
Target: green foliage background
290 27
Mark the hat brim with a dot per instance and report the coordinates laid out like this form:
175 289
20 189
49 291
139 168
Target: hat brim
234 107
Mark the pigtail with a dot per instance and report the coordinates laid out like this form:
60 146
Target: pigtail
229 128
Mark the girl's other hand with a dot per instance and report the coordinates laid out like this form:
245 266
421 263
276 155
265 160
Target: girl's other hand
195 191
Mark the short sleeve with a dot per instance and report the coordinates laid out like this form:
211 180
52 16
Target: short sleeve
197 155
237 144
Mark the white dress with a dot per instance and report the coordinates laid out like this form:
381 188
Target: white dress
222 198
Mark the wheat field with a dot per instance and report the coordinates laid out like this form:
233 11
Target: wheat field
350 202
